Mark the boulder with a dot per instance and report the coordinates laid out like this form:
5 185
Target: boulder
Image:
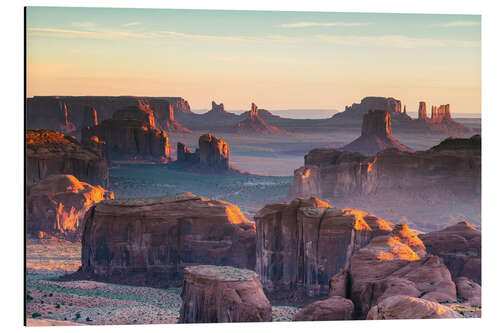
459 246
397 264
468 291
302 243
222 294
339 284
333 308
376 135
51 153
131 135
56 206
406 307
151 241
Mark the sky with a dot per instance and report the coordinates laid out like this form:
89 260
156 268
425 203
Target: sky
279 60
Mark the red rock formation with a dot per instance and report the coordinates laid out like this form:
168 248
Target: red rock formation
397 264
68 113
217 107
460 248
170 125
221 294
255 124
56 205
357 111
151 241
90 117
468 291
449 172
301 244
333 308
422 111
212 156
131 135
375 135
405 307
51 153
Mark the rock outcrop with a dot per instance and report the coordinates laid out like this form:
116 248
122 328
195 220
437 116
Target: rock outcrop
221 294
406 307
333 308
90 117
449 172
255 124
218 108
459 246
170 125
376 135
55 206
131 135
468 291
151 241
52 153
357 110
69 114
301 244
397 264
212 156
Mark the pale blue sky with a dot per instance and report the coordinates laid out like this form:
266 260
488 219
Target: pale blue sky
280 60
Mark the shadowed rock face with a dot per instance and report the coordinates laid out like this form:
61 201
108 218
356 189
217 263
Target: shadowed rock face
301 244
51 153
406 307
212 156
131 135
254 123
170 125
69 114
375 135
55 206
221 294
397 264
151 241
449 172
460 248
217 107
90 117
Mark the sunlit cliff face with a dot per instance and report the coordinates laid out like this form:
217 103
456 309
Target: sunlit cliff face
235 216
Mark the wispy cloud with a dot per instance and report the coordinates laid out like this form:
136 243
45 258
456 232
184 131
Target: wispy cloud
398 41
85 25
91 34
322 24
458 24
131 24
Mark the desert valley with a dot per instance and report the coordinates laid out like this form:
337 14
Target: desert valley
139 210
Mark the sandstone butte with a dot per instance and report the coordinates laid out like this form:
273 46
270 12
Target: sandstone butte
222 294
212 156
448 171
255 124
151 241
131 134
55 206
69 114
50 153
169 124
302 243
376 135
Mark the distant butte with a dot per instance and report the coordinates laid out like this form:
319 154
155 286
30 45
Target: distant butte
376 135
255 124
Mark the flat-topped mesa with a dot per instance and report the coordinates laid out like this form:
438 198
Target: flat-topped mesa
150 241
358 110
51 153
422 111
217 107
301 244
375 135
222 294
131 134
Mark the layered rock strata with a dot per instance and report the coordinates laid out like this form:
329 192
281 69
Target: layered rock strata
151 241
301 244
222 294
51 153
